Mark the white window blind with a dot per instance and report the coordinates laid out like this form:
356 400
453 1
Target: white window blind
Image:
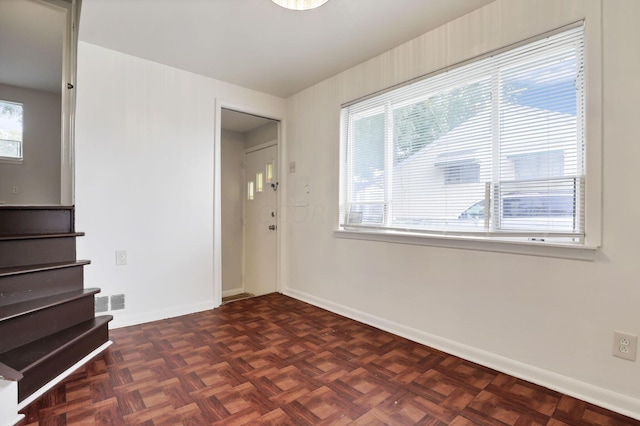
493 148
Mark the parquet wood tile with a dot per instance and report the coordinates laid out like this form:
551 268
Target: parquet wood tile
273 360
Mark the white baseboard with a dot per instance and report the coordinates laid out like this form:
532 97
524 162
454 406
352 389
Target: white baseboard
232 292
584 391
125 319
17 419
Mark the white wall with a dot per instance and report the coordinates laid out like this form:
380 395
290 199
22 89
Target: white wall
38 177
145 179
232 211
547 319
263 134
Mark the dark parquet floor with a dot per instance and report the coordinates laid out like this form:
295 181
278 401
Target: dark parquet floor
273 360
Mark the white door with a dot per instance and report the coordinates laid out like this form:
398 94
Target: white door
260 221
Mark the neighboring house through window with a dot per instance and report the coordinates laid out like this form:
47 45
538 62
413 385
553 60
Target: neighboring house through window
459 167
535 165
462 172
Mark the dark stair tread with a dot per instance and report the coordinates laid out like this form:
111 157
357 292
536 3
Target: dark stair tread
17 270
40 236
8 373
15 310
25 357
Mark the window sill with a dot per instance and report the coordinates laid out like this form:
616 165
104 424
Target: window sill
8 160
531 248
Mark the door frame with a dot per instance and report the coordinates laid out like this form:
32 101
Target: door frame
217 193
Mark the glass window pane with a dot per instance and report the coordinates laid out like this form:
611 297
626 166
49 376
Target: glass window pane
442 156
269 173
259 183
367 166
250 191
11 127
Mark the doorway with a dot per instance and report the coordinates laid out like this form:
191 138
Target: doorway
249 200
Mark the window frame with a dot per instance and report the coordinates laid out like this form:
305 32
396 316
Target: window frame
583 250
20 159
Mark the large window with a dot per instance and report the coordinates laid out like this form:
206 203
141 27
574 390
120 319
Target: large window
493 148
10 130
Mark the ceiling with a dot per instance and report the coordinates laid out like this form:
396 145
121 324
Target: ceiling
31 42
240 122
257 44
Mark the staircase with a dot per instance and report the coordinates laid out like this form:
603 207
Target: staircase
47 322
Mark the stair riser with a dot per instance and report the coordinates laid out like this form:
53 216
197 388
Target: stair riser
37 251
17 221
22 287
41 374
29 328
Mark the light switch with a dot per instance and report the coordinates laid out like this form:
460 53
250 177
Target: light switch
121 257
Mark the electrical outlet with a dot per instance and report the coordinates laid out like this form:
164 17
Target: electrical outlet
121 257
625 345
15 190
292 166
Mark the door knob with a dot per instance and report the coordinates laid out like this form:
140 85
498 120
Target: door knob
272 227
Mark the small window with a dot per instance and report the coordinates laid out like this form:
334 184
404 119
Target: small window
250 190
259 182
269 173
11 126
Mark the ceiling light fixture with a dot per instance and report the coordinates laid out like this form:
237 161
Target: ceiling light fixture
300 4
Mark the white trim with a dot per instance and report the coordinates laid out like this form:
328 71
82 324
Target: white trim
17 419
281 179
9 403
69 73
531 248
261 146
9 160
217 205
124 320
584 391
594 128
63 375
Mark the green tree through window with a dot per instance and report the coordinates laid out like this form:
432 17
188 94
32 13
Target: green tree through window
417 125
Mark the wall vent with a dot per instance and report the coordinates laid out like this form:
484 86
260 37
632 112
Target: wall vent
101 304
117 302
